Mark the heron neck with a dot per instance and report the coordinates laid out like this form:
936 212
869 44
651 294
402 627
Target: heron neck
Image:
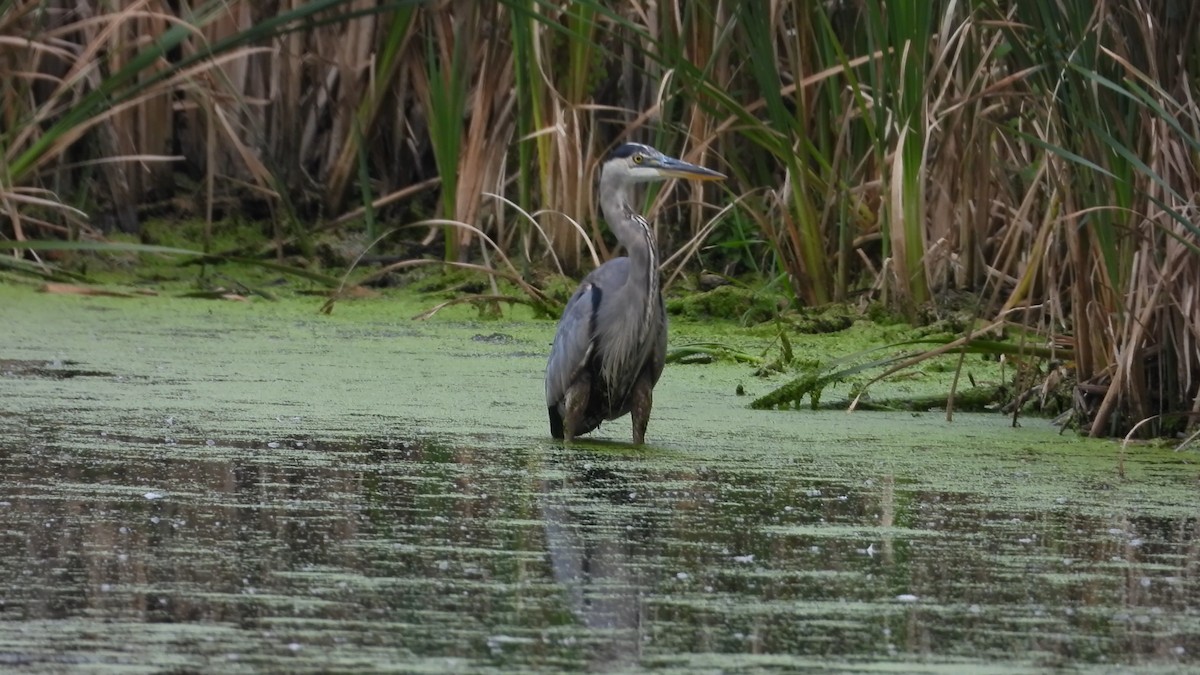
641 288
631 229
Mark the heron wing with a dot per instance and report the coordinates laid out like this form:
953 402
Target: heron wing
575 340
659 355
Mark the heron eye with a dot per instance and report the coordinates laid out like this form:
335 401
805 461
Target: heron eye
637 159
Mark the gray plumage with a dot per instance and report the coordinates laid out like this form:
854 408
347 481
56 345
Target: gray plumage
611 342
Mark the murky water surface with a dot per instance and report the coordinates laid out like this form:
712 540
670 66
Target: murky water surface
208 487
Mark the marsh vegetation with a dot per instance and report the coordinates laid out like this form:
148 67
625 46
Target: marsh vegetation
1023 168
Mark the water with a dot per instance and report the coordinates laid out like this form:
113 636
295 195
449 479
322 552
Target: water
203 487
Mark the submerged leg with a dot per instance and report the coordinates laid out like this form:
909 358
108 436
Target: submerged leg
556 422
575 404
640 404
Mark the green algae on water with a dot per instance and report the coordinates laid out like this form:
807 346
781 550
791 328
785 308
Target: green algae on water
258 487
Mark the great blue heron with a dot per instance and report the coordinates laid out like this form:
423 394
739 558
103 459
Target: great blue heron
612 339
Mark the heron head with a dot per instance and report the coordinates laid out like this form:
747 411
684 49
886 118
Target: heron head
637 163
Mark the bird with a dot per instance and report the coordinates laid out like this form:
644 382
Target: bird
611 342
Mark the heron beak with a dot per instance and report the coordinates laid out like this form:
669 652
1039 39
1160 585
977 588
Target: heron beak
669 167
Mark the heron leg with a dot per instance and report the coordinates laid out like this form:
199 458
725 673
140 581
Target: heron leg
556 422
576 403
639 408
